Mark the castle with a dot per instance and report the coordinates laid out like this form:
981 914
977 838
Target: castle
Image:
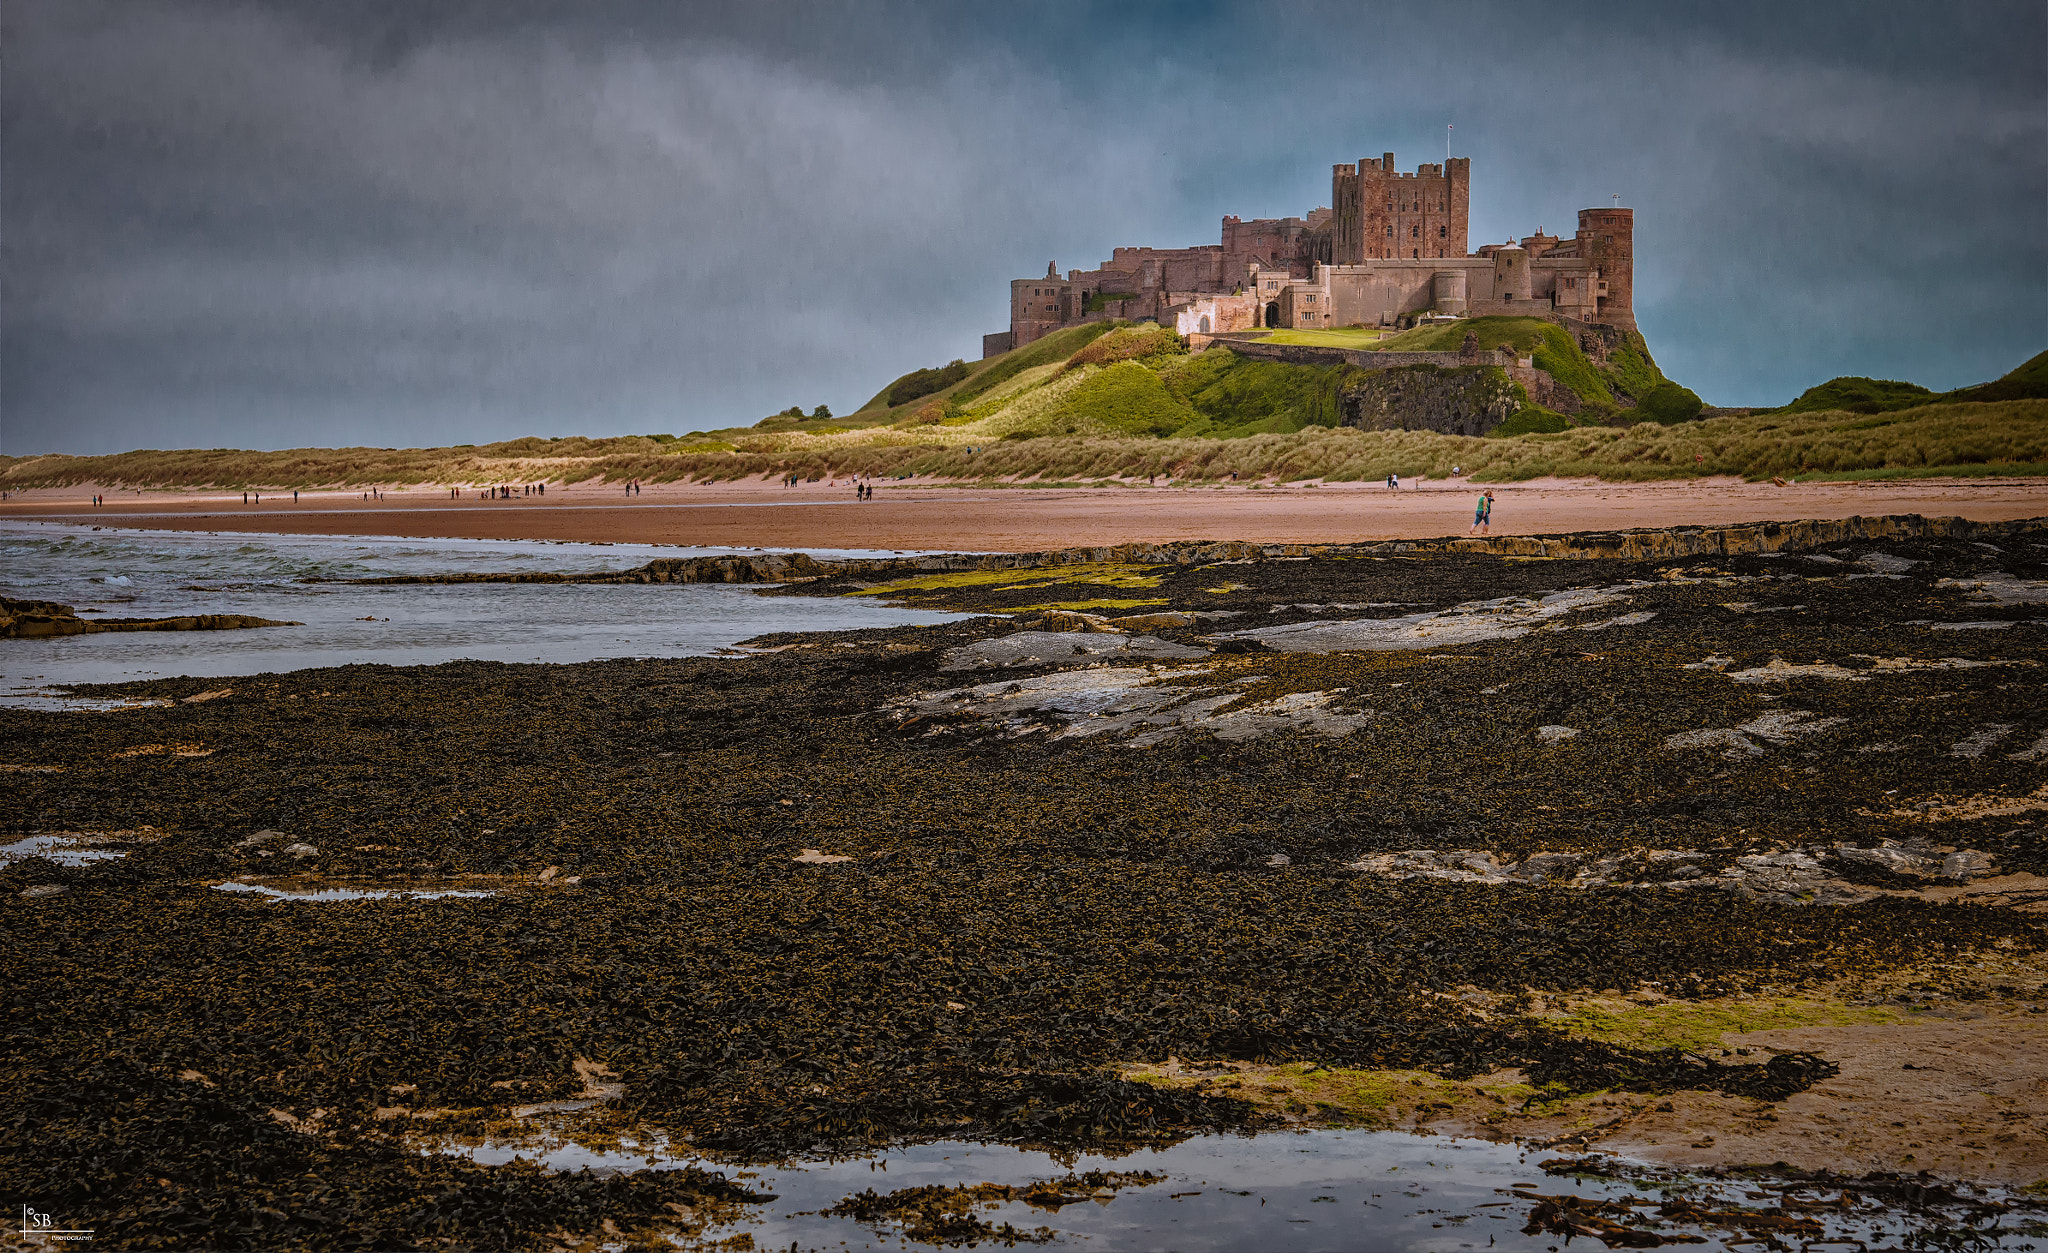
1394 245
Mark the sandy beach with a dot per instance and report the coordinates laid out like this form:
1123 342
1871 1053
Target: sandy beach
937 516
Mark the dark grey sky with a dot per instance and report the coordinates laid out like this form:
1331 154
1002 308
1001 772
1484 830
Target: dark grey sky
408 222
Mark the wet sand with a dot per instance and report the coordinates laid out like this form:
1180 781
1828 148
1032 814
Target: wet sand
935 516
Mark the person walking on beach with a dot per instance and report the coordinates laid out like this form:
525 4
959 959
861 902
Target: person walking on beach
1486 513
1394 482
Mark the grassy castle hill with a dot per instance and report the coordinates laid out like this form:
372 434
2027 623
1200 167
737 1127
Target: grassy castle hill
1112 402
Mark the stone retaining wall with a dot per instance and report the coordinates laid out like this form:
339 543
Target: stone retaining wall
1364 358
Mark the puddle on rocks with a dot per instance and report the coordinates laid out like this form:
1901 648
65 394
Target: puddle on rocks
1287 1191
50 701
73 848
351 893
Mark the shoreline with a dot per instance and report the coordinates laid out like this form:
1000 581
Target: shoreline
1703 861
962 517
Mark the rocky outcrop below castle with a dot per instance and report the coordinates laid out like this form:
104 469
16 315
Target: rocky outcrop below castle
1470 400
40 619
1645 544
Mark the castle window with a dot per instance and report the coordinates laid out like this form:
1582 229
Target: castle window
1443 232
1390 230
1415 232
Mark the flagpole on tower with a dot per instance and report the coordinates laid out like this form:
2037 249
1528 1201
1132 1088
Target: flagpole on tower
1447 144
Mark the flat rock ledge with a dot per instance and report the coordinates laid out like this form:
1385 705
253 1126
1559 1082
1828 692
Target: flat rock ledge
1645 544
44 619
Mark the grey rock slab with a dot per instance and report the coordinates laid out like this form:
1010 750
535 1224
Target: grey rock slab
1108 700
1885 563
1626 619
1777 727
1897 858
1791 876
1503 618
1542 867
1781 725
1987 735
1047 648
1967 864
1556 735
1998 588
1733 744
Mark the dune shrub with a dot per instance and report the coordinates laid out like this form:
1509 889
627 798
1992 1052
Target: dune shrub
1128 343
1669 404
1126 398
924 382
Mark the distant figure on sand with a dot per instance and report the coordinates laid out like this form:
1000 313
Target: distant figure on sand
1394 482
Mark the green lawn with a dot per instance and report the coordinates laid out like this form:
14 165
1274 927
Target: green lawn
1340 337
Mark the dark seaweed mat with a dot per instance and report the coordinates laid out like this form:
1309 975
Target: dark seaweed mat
158 1165
1088 904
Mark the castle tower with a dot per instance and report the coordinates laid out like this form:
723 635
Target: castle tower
1512 280
1607 242
1380 214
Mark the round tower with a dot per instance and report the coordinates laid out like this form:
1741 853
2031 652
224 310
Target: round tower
1450 291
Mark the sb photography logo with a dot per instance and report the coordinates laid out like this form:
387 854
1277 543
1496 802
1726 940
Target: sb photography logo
41 1226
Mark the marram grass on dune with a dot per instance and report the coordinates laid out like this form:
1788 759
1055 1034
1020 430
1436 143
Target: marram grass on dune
2006 437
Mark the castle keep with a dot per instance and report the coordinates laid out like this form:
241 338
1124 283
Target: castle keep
1394 244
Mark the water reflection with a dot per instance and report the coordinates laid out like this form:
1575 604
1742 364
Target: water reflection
1310 1190
350 894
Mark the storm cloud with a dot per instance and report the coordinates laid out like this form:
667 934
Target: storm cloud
277 225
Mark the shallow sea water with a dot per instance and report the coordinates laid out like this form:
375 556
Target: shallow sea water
141 574
1290 1191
